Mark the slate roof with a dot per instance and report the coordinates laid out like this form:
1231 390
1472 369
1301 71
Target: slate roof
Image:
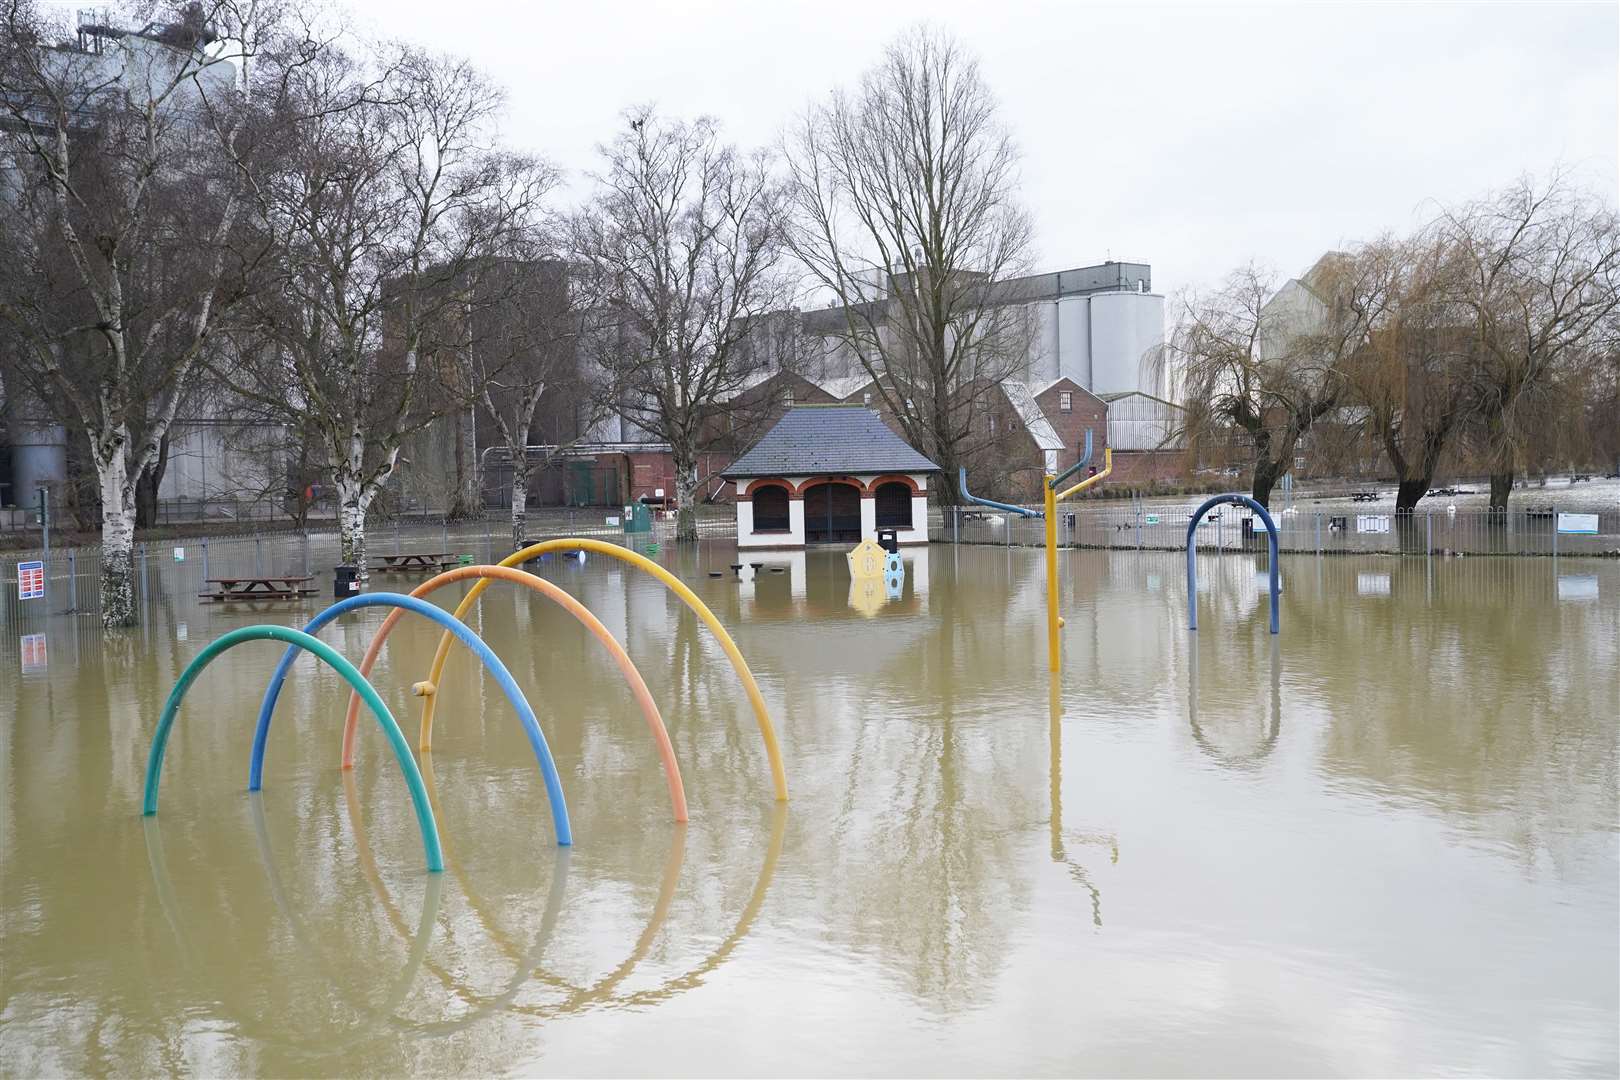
1023 402
818 439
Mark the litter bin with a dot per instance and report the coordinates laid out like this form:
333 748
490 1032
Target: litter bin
889 540
345 582
639 519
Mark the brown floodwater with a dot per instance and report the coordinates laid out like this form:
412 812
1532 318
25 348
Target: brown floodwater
1382 843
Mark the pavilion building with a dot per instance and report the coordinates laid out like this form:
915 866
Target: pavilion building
830 474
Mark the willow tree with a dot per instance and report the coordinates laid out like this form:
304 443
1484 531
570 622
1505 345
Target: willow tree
124 193
679 257
1540 280
904 197
1263 364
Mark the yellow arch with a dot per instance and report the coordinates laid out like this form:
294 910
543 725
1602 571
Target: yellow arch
671 582
649 709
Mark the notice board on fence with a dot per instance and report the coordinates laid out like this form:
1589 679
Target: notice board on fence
1580 524
31 580
1372 523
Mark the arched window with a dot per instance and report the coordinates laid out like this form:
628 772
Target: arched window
770 509
893 505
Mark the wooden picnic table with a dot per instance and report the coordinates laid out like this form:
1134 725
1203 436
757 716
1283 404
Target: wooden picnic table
1364 496
417 560
266 587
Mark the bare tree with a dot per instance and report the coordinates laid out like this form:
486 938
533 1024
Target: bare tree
1541 277
905 212
1267 365
385 198
680 255
123 197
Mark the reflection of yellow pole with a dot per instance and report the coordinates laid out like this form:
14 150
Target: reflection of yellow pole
674 584
1108 467
1052 621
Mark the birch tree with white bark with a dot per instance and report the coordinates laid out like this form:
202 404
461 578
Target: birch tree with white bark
385 199
123 195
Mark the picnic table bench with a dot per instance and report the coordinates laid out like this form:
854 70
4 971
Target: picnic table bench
267 587
417 560
1364 496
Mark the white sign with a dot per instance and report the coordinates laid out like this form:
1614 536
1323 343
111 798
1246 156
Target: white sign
658 493
179 554
32 647
1372 523
613 519
1153 519
31 580
1583 524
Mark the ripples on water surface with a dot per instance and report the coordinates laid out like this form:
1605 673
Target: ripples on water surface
1384 843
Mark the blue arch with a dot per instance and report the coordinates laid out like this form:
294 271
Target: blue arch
1192 563
298 640
531 726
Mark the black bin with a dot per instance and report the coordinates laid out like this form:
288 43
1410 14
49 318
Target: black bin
345 582
889 540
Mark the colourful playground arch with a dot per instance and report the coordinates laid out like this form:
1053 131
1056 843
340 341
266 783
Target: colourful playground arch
452 625
297 639
674 584
638 687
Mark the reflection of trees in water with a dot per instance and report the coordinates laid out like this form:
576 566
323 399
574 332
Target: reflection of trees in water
1229 736
1471 688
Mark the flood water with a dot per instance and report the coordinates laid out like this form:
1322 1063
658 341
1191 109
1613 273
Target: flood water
1384 842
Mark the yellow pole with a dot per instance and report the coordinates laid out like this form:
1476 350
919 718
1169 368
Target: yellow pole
674 584
1052 620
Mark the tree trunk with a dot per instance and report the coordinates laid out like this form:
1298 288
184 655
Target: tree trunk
1408 492
520 499
352 505
946 487
1501 488
1266 475
685 498
467 502
148 484
117 532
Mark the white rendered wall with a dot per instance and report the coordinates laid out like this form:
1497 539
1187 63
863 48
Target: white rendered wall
868 518
747 538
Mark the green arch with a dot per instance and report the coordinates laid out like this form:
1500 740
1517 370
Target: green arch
385 719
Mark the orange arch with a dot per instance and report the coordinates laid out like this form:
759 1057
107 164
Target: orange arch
892 478
638 687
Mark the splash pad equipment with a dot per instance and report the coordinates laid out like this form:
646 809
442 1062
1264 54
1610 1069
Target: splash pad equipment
632 676
674 584
452 625
300 640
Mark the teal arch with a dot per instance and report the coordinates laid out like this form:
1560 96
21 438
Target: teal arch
299 639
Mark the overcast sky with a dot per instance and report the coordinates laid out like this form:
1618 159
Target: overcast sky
1191 137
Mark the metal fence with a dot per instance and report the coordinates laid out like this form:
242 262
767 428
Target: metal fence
178 570
1147 527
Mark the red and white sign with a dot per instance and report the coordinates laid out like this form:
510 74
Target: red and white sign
30 580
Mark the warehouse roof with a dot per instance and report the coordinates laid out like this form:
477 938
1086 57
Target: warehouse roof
815 439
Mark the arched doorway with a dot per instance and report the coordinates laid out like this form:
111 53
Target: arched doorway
893 500
832 513
771 508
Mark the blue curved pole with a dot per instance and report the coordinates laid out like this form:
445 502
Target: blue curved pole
1085 459
961 486
531 726
1192 561
297 639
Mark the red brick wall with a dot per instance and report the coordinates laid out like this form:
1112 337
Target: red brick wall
1138 468
1086 411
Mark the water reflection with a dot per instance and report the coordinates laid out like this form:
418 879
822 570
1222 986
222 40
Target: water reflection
1241 675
